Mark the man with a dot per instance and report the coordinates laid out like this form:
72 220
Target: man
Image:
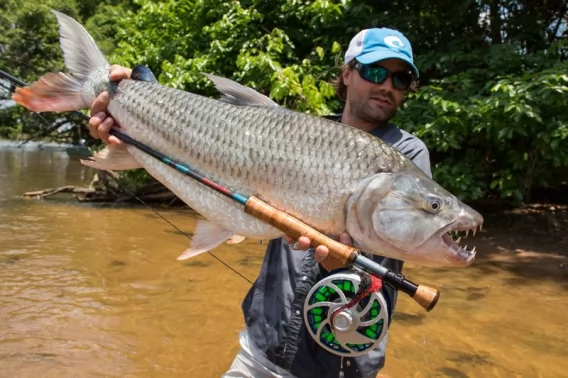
378 72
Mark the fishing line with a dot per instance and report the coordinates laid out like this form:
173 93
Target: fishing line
179 230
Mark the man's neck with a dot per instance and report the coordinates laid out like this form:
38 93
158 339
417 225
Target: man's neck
367 126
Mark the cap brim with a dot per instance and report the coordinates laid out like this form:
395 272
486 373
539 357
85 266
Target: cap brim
377 56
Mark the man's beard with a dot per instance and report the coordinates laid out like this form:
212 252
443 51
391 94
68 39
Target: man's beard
363 111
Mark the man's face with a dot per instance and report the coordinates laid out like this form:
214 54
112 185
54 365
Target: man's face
372 102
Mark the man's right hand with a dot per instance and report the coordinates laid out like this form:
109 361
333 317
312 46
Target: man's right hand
100 122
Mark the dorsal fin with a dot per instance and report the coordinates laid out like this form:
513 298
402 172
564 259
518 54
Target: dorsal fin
80 52
235 93
143 73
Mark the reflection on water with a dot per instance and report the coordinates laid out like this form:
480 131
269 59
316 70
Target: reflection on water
94 290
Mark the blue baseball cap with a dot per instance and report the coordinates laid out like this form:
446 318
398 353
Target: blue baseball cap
376 44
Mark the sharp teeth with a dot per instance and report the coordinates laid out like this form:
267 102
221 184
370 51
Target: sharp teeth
473 251
474 231
465 248
466 233
458 240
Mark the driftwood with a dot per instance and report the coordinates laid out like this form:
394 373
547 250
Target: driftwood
38 194
106 186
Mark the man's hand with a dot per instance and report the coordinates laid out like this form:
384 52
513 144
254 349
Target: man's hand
321 253
100 123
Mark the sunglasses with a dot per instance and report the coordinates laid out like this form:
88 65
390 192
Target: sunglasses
377 74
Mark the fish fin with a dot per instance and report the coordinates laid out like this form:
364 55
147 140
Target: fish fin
237 94
207 236
112 158
58 92
235 239
53 92
80 51
143 73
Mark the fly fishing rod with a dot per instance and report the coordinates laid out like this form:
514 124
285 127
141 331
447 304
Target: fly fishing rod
425 296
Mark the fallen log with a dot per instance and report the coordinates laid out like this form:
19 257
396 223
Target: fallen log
38 194
106 187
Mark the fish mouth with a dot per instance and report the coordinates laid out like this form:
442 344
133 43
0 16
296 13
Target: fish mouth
452 238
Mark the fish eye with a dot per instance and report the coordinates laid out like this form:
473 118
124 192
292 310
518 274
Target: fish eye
435 205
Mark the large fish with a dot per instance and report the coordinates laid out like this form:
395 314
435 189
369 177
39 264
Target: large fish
331 176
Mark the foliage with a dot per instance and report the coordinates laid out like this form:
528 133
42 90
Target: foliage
503 134
493 72
181 39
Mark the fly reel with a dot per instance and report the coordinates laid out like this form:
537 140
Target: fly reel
337 324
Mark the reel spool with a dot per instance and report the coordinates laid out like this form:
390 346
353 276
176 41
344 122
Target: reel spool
355 330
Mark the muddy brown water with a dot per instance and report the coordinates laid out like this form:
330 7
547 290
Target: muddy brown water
93 290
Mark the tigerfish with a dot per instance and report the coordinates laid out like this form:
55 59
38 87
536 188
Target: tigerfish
329 175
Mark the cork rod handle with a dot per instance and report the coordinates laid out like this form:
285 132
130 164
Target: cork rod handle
295 228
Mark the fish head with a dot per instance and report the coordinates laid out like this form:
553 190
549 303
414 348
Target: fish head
408 216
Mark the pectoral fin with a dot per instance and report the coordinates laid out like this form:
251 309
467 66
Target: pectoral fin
112 158
207 236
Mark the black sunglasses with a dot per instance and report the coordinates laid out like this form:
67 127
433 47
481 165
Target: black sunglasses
377 74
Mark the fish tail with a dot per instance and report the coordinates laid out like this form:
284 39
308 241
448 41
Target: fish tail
57 92
53 92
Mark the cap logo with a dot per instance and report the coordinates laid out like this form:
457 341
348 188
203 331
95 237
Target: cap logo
393 41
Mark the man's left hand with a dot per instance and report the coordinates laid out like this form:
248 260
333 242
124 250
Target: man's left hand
321 254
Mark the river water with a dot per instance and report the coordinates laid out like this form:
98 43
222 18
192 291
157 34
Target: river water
95 290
